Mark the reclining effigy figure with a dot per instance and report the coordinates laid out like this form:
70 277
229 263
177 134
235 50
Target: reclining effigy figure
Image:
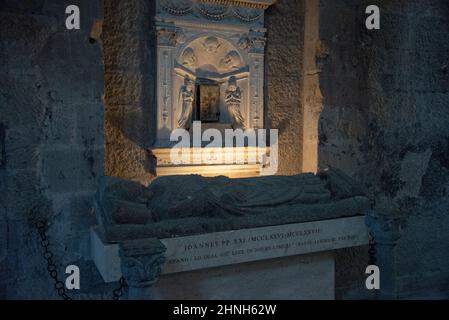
193 204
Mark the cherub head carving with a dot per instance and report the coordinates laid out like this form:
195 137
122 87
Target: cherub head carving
245 43
211 44
188 58
231 60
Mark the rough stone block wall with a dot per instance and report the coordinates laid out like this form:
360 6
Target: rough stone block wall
417 97
343 119
283 83
129 88
51 137
385 122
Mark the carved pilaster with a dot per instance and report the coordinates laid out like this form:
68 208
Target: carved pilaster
168 37
141 262
257 43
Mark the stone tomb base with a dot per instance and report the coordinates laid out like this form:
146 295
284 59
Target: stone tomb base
293 261
305 277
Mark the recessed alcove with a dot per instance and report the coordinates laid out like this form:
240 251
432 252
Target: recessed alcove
210 69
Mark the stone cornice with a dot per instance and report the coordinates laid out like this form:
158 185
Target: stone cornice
254 4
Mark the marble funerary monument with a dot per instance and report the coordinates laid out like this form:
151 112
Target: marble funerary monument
238 232
203 223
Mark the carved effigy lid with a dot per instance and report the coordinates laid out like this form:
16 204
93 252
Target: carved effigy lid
192 205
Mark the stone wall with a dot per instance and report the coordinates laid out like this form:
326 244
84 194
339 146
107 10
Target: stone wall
385 119
129 55
51 136
284 60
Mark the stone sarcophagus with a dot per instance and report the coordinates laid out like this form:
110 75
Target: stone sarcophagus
208 238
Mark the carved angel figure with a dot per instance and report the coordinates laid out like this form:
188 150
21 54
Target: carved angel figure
233 100
186 97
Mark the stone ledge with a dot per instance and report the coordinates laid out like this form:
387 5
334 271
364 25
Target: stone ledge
211 162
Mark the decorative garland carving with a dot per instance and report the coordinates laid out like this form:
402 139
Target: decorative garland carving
213 12
217 9
178 7
262 4
247 15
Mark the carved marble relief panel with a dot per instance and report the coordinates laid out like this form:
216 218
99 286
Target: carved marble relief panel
210 57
